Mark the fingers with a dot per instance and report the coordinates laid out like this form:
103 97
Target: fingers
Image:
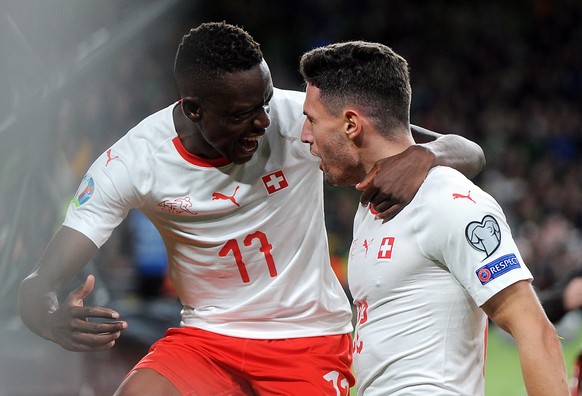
386 209
77 309
90 335
368 195
390 213
369 177
97 326
77 296
81 342
393 182
82 312
366 185
77 327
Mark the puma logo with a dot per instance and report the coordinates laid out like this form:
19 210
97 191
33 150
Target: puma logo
217 196
367 245
110 158
468 196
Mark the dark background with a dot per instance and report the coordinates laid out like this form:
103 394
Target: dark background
76 75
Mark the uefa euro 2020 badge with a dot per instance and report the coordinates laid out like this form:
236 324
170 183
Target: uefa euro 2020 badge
85 191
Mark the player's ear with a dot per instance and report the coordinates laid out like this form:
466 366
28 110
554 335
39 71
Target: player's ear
191 108
352 124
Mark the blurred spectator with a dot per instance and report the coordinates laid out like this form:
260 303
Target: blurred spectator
564 296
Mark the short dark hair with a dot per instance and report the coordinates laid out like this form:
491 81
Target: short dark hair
369 75
211 50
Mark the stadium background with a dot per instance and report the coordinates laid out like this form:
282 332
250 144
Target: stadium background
76 75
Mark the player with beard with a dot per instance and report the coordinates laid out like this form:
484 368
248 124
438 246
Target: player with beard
425 281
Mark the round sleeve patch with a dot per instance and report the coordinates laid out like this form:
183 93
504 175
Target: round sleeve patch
85 191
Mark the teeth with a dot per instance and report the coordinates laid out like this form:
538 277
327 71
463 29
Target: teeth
253 138
250 143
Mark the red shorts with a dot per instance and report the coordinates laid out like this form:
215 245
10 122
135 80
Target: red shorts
199 362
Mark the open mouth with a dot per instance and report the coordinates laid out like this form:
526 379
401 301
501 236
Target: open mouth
250 143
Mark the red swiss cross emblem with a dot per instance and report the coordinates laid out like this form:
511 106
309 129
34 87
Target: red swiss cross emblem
386 248
275 181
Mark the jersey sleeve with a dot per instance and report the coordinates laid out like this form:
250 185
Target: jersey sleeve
104 197
464 229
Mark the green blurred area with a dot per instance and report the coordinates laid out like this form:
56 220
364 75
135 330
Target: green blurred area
503 373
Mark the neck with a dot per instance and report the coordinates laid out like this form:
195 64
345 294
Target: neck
381 146
182 124
186 131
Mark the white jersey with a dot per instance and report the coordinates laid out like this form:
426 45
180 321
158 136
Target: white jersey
418 281
247 245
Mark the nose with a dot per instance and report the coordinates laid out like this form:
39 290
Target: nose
306 136
262 119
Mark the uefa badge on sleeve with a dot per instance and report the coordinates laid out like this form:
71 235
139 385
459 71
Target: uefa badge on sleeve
484 235
497 268
85 191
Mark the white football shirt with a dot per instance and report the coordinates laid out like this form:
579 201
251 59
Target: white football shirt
247 245
418 281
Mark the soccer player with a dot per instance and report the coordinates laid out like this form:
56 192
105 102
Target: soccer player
238 200
425 281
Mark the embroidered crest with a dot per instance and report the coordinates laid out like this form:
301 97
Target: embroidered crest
177 206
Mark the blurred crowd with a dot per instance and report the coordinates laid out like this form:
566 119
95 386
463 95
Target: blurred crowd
507 75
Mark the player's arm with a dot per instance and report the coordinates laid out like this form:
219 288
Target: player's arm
67 323
451 150
393 182
517 310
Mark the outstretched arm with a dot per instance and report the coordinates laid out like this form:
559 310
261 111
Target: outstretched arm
517 310
451 150
67 324
393 182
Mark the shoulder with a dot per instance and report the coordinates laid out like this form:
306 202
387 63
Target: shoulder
145 139
155 128
133 156
448 200
447 189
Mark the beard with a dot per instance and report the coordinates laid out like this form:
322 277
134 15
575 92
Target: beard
344 175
